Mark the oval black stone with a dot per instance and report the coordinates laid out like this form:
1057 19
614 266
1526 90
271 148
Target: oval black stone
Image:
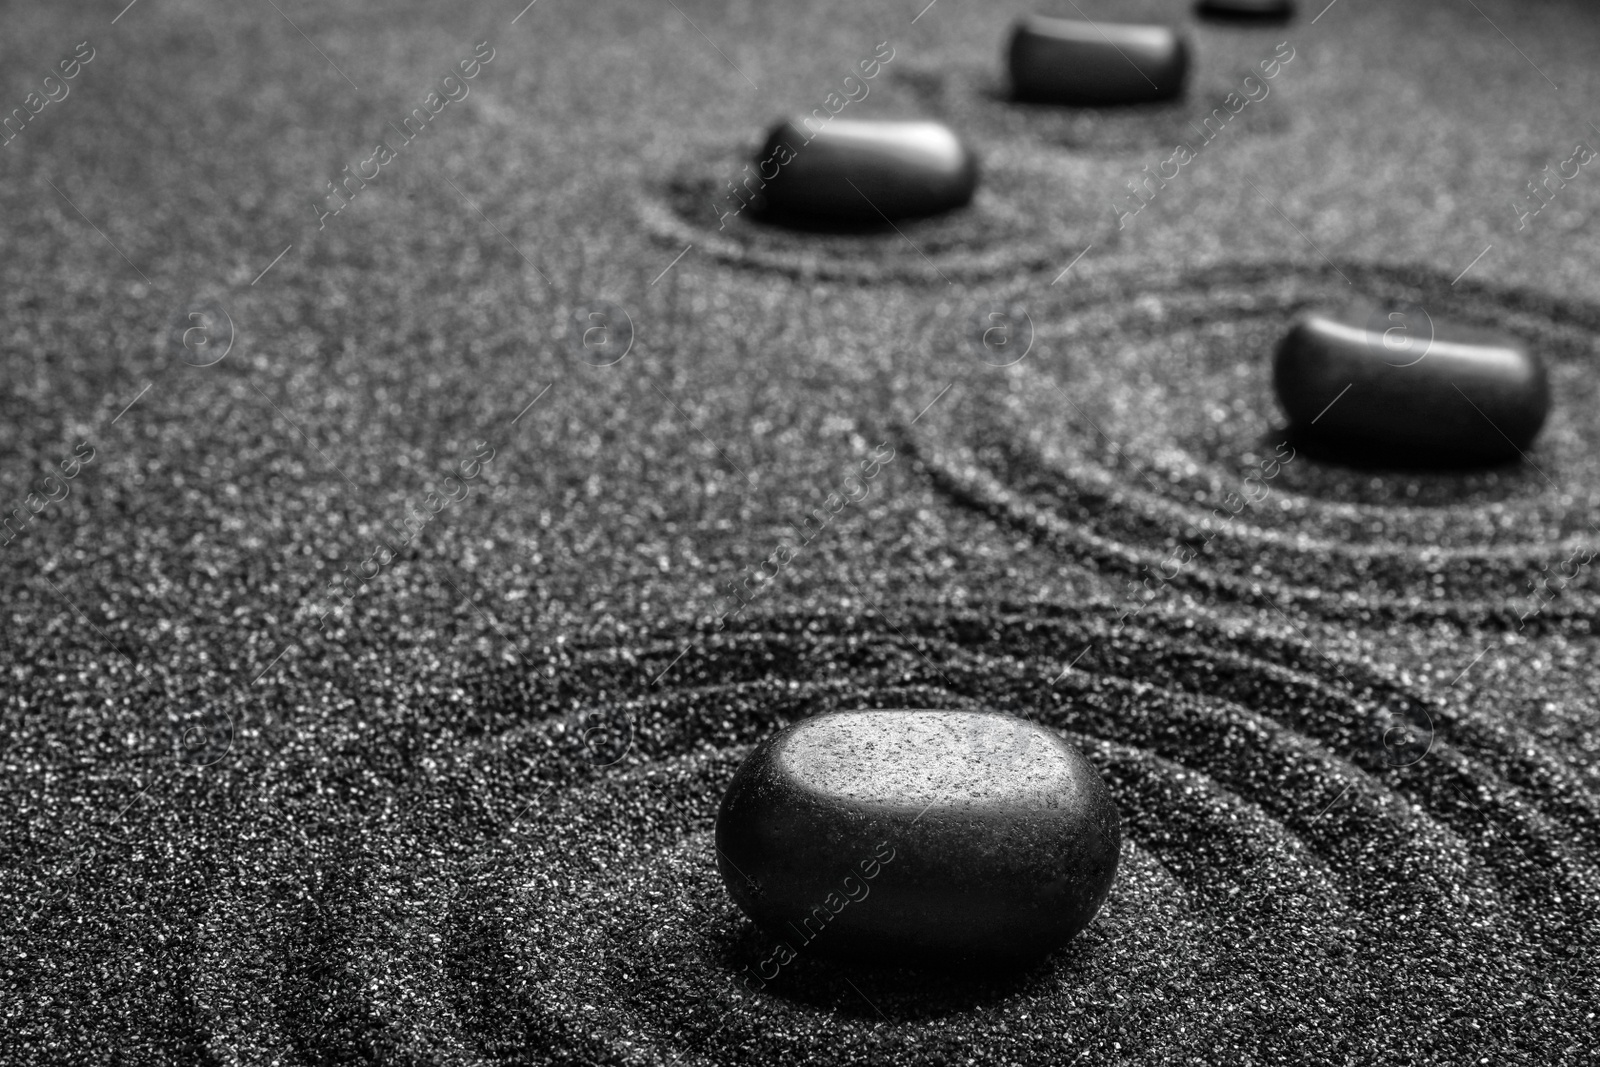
918 837
1067 61
1392 387
1246 10
863 171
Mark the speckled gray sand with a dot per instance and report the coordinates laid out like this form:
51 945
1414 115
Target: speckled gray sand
505 896
380 846
1186 475
1286 890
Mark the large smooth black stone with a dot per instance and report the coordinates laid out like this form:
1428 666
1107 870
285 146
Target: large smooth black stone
864 171
1418 392
918 837
1094 64
1246 10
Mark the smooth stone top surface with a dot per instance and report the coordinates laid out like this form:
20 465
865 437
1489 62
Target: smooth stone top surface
864 171
1246 10
1067 61
925 756
1434 394
964 835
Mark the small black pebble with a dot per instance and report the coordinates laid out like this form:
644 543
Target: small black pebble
1246 10
1066 61
864 171
1393 387
918 837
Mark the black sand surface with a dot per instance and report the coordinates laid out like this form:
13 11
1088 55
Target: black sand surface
248 819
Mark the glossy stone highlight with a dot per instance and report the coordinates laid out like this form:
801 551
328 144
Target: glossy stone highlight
857 171
1095 64
918 837
1261 11
1429 393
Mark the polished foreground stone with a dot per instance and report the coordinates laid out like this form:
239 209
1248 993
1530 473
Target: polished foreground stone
1094 64
1418 392
1246 10
857 171
918 837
